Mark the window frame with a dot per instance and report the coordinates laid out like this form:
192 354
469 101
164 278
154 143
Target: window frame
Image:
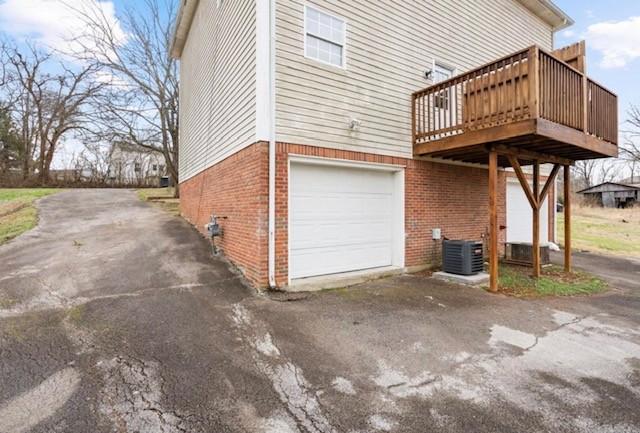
306 34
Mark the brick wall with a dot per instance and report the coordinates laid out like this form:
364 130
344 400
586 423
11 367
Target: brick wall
451 197
237 188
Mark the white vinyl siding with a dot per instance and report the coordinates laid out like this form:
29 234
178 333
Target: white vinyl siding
217 85
391 44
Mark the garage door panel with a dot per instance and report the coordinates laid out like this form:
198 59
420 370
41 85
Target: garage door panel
347 206
331 260
307 236
341 219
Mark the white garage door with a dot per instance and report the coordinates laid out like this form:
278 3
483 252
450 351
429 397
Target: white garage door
519 216
341 219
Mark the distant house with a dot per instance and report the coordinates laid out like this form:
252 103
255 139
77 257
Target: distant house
612 194
135 166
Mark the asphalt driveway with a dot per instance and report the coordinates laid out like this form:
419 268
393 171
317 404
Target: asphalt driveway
115 317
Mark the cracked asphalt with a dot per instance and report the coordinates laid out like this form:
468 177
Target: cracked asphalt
114 317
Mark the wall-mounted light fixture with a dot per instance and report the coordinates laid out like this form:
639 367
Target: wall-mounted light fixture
355 124
428 74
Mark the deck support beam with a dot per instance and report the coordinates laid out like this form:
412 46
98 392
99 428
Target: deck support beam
535 198
493 221
536 221
567 218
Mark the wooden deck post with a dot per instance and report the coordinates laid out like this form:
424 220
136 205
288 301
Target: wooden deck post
493 220
567 218
536 220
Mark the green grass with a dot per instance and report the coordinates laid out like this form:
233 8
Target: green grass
517 281
22 194
604 231
161 197
17 211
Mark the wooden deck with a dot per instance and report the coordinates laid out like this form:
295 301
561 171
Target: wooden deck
530 104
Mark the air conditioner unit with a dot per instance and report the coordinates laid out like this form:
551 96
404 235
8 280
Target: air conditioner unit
462 257
521 253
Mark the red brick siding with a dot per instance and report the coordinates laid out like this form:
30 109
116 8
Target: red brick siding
237 188
453 198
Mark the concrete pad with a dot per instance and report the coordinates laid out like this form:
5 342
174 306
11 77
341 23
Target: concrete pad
346 279
469 280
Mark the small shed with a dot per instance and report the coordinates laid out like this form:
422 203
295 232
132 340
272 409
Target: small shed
612 194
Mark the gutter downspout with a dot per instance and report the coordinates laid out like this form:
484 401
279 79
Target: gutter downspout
272 145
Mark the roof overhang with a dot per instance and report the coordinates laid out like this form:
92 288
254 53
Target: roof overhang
182 25
547 11
622 187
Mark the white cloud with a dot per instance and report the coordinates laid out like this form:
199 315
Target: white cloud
53 23
618 41
568 33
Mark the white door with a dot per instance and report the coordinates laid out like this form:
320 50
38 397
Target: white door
519 216
341 219
444 102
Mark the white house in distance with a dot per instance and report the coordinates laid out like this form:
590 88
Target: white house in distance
131 165
335 136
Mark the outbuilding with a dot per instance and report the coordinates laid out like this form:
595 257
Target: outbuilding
611 194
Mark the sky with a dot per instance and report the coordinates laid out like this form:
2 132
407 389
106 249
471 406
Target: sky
611 29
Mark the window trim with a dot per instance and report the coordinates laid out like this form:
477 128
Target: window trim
344 37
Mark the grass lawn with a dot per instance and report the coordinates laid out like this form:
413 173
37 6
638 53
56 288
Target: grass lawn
161 197
17 211
602 230
517 281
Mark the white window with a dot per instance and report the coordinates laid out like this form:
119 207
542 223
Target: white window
324 37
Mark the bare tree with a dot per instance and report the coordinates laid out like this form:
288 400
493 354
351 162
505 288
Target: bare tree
95 161
141 105
608 170
48 105
584 173
630 149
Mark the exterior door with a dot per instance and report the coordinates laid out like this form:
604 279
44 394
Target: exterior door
444 102
520 216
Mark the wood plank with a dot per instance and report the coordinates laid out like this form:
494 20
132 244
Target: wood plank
528 154
533 201
481 136
534 81
549 183
493 221
567 218
574 55
536 221
574 137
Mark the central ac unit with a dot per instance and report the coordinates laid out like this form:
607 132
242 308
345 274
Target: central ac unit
462 257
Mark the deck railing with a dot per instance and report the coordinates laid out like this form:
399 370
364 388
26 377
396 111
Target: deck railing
602 113
528 84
